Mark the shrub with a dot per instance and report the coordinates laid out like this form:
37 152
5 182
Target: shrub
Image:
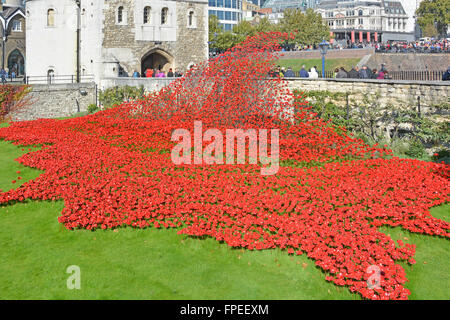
416 149
92 108
112 97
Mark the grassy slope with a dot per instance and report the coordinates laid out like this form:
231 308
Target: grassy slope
330 64
159 264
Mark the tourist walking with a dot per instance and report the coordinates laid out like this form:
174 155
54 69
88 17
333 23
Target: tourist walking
289 73
170 73
178 73
304 73
313 73
364 73
354 73
3 75
446 76
342 74
374 74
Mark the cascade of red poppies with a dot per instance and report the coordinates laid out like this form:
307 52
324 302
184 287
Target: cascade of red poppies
114 169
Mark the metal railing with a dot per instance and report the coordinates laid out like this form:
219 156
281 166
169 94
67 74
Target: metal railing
58 79
428 75
417 75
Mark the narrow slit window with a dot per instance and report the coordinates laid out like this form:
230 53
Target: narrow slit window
164 15
51 18
147 11
120 14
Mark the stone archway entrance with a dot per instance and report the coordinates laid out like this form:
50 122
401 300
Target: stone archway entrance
16 62
156 59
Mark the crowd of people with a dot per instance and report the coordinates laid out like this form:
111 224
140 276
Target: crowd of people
340 73
156 73
429 46
283 72
363 73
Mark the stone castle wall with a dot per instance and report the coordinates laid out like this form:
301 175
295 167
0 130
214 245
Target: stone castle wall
64 100
390 91
57 100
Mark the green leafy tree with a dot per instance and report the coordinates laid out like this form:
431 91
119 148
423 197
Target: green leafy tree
435 13
223 40
214 28
309 27
243 30
264 25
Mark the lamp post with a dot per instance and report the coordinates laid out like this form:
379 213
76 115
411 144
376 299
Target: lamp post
324 45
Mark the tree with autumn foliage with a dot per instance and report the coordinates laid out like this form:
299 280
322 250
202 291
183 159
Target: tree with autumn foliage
12 99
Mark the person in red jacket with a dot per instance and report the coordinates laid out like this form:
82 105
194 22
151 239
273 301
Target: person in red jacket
149 73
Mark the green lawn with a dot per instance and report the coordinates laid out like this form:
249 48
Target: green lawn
159 264
330 64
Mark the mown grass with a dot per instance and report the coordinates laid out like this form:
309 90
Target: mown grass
160 264
330 64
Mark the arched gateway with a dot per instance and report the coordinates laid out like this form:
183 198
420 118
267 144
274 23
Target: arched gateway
156 59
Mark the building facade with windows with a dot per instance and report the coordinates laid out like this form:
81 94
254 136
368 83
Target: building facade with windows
279 6
116 37
12 17
229 12
366 21
249 10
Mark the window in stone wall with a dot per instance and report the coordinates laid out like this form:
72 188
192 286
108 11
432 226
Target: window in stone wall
191 19
147 11
120 15
164 15
50 76
50 17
